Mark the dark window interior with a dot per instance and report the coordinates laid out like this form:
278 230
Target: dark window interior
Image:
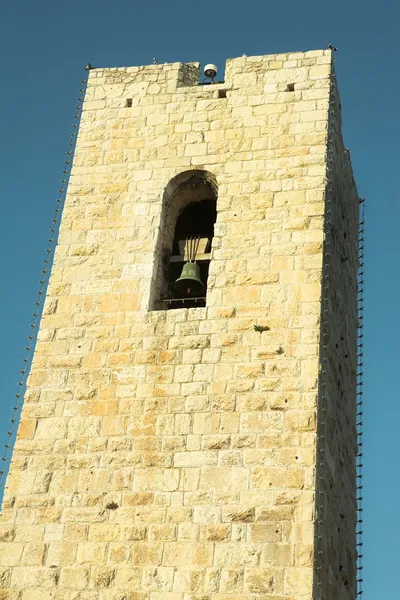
196 221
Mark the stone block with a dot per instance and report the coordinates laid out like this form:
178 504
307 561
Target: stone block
183 553
240 514
33 578
237 555
264 581
91 553
10 554
74 578
34 554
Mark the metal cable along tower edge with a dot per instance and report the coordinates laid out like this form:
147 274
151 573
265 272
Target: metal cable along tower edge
43 281
360 401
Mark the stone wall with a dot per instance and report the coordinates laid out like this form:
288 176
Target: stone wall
336 471
171 455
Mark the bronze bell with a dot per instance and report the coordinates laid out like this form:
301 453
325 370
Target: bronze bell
189 284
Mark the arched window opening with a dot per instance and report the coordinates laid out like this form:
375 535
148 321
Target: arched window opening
187 230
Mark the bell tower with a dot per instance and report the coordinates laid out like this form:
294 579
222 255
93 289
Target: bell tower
189 426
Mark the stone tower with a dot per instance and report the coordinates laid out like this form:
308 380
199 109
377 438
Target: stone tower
196 445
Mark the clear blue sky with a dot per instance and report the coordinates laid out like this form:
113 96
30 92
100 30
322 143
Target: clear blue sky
44 46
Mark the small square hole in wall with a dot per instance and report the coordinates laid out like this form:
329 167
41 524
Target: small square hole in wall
290 87
128 102
221 93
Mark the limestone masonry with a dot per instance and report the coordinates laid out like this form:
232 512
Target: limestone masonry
176 453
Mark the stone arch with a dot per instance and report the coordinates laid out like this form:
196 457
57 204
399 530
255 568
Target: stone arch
182 191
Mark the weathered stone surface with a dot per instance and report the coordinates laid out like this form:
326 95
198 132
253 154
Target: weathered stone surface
172 455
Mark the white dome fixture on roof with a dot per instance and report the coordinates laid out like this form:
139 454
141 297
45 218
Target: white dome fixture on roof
210 71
